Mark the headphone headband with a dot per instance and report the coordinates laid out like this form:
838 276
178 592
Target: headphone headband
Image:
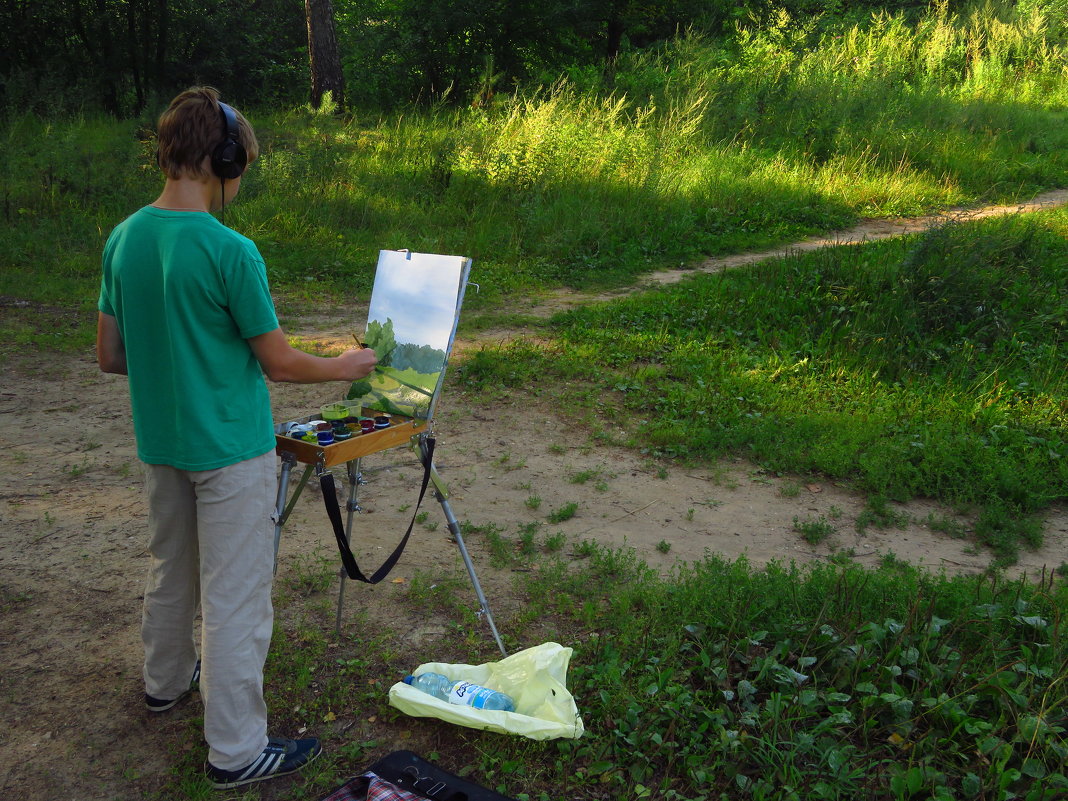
229 158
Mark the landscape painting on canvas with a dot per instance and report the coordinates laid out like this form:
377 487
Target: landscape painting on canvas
411 324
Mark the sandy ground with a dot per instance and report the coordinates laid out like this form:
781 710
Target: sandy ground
72 553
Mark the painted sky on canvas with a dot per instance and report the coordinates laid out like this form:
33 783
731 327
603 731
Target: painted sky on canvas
419 295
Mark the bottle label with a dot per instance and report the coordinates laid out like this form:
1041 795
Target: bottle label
467 694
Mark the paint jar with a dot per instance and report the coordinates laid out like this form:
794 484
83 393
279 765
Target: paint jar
367 425
382 421
325 437
298 430
334 411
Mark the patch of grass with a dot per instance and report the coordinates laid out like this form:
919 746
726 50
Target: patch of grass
565 512
505 461
946 525
437 593
789 489
528 533
877 512
532 502
582 476
555 542
876 670
77 470
814 530
798 657
501 550
310 573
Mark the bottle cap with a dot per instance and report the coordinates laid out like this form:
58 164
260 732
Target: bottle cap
408 679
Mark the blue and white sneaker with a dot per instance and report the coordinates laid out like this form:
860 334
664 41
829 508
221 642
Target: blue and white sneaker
279 758
162 705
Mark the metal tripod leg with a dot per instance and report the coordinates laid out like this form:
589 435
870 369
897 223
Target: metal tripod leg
441 492
351 507
281 508
454 527
288 460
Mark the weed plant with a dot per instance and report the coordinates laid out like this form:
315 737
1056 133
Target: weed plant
825 682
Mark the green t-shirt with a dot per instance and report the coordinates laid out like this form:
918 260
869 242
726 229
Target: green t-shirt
187 292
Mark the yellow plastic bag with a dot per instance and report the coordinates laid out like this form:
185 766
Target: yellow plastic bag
534 678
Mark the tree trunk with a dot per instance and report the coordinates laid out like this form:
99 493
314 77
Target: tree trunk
162 32
323 56
615 27
135 48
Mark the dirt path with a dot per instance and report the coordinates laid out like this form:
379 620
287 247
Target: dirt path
866 231
72 556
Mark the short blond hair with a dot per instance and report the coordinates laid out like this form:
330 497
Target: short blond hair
190 130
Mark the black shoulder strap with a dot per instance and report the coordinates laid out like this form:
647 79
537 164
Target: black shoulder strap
333 511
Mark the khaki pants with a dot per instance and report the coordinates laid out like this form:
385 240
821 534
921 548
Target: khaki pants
211 543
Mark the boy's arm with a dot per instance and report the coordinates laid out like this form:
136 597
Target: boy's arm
282 362
110 350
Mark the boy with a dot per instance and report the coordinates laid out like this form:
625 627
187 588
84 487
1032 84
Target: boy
186 313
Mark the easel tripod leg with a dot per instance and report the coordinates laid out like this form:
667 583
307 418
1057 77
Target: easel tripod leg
288 461
454 528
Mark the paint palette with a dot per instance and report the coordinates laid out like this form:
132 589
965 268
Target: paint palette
356 440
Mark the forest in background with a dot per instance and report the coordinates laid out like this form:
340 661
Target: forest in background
126 57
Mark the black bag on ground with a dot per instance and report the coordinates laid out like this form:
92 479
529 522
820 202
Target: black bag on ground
413 774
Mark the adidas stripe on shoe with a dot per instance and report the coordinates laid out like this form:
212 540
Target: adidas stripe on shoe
162 705
279 758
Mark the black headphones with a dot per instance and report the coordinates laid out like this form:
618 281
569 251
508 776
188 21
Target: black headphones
229 158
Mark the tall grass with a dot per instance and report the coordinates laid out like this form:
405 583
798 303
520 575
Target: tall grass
932 96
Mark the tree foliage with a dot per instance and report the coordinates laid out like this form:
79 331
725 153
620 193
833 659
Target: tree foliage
125 56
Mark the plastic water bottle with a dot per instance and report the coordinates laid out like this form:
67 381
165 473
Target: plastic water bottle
463 693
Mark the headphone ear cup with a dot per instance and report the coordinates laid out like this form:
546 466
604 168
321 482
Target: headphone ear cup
229 159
